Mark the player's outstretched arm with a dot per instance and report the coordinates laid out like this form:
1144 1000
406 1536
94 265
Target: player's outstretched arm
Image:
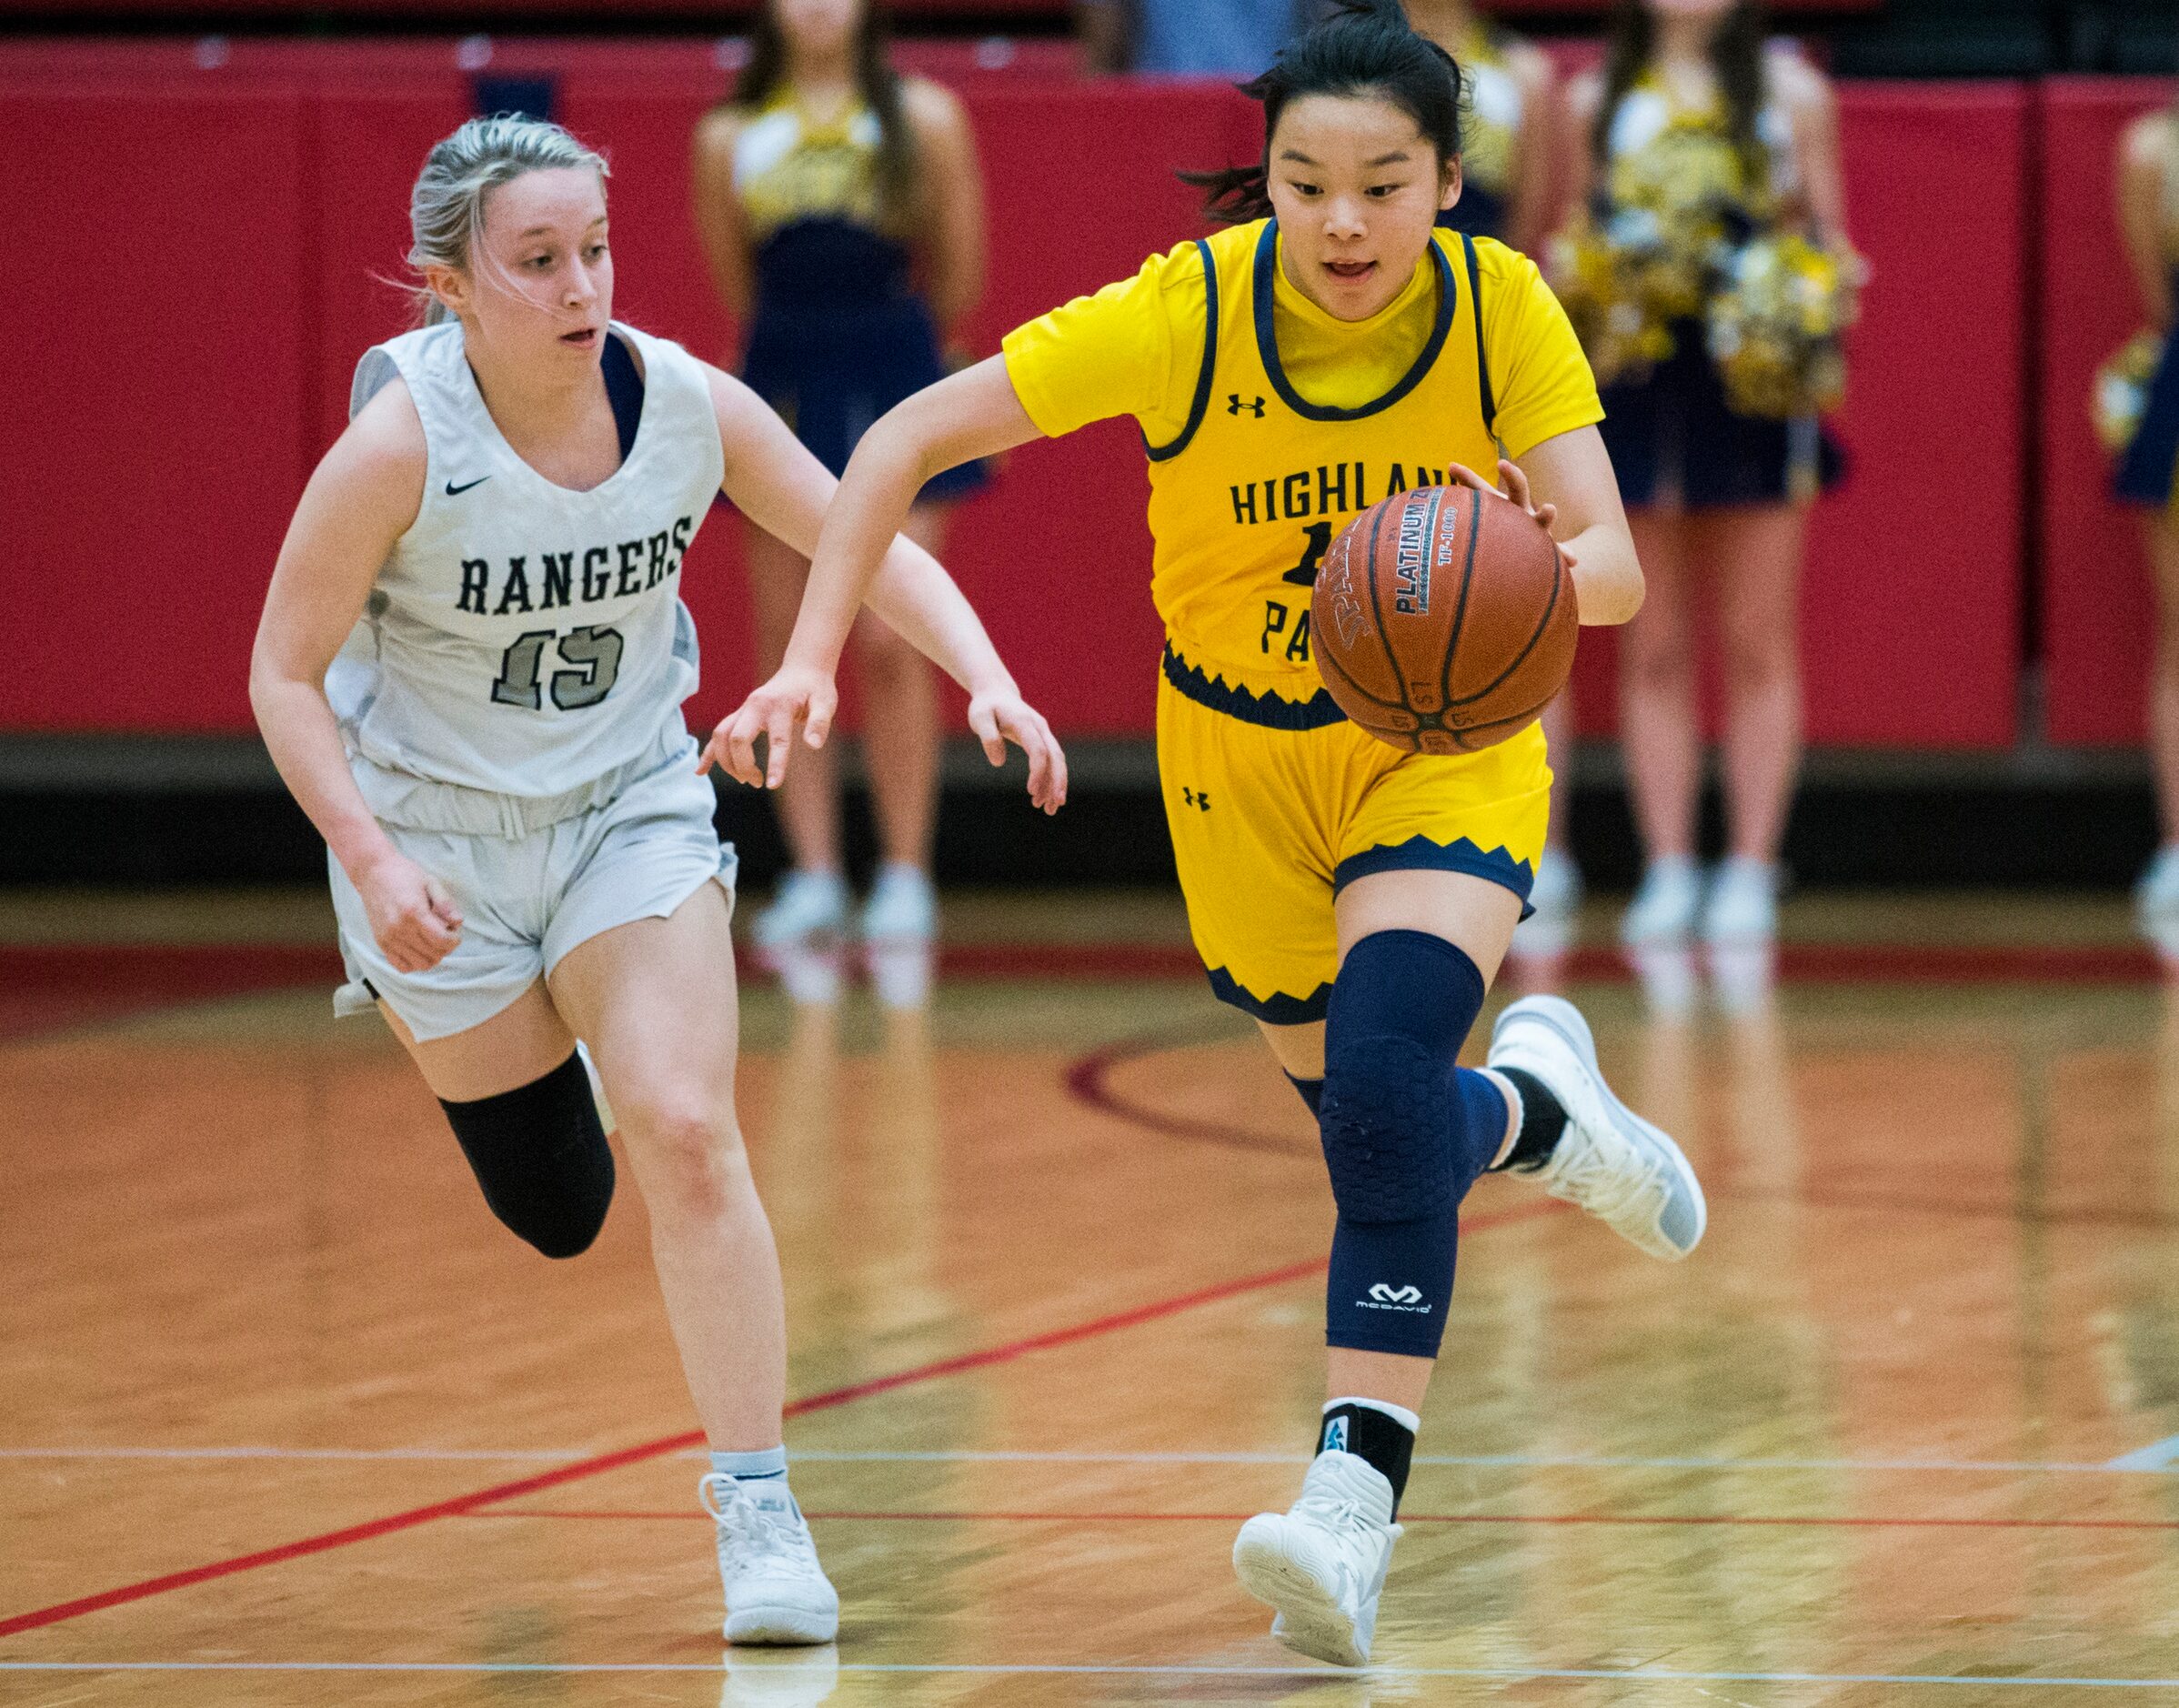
363 496
775 481
1568 484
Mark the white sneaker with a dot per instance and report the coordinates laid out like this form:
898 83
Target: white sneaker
775 1590
812 974
1322 1562
1664 908
1667 975
2156 897
1556 895
900 973
902 908
1609 1161
805 904
1741 908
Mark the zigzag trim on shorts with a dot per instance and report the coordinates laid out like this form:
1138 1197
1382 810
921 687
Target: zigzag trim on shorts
1266 711
1419 853
1279 1008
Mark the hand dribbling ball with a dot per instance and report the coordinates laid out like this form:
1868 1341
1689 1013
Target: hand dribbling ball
1443 619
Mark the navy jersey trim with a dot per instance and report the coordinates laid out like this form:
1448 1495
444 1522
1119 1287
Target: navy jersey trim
1420 854
624 391
1482 357
1277 1009
1267 336
1200 403
1266 711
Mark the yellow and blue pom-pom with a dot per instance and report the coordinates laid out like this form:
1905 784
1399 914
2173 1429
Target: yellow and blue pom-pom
1777 323
2122 390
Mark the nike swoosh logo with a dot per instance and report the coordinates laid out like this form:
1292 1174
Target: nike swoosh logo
454 491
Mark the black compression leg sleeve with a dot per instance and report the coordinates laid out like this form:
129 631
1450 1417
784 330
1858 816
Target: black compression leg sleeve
540 1154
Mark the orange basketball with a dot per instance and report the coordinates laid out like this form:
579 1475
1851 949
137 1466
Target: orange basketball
1443 619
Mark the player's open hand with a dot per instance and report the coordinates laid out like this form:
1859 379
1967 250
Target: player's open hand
797 697
1516 488
412 915
998 716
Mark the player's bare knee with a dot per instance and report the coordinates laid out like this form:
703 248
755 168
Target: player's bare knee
690 1150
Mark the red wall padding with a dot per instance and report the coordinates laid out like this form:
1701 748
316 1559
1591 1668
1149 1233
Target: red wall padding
1911 606
150 447
287 193
2097 619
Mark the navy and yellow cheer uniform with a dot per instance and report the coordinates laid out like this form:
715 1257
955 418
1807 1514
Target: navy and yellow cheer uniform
1490 138
838 335
2149 473
1673 433
1269 424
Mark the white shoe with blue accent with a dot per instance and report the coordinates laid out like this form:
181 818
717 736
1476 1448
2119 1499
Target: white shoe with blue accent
807 905
775 1590
1610 1162
902 909
1666 905
1740 909
2156 899
1322 1562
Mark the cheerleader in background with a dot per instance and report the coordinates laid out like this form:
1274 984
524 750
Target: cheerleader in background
1509 131
840 207
1710 279
2148 433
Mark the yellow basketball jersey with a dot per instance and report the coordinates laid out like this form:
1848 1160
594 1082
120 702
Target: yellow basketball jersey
1246 500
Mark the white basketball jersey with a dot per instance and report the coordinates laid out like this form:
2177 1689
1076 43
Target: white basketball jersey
523 638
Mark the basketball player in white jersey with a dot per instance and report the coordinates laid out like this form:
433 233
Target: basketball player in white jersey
470 670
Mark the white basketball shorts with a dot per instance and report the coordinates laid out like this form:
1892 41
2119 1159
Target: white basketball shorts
532 878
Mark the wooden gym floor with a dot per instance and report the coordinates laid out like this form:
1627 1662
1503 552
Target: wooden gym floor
286 1417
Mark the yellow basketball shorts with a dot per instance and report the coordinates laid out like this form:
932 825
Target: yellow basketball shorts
1275 805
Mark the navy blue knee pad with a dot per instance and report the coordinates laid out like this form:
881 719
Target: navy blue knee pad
1406 1131
540 1154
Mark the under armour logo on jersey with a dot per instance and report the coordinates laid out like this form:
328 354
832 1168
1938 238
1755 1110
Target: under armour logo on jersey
1235 404
1385 1293
1335 1436
1196 797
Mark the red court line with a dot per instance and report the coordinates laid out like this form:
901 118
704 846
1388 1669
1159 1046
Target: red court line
1787 1520
467 1505
1088 1081
464 1504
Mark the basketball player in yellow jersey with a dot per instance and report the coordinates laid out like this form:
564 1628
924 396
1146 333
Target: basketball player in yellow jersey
1356 900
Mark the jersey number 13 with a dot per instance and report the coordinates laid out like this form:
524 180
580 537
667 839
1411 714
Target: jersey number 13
594 652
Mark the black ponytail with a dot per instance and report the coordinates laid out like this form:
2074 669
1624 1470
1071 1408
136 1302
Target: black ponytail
1364 48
